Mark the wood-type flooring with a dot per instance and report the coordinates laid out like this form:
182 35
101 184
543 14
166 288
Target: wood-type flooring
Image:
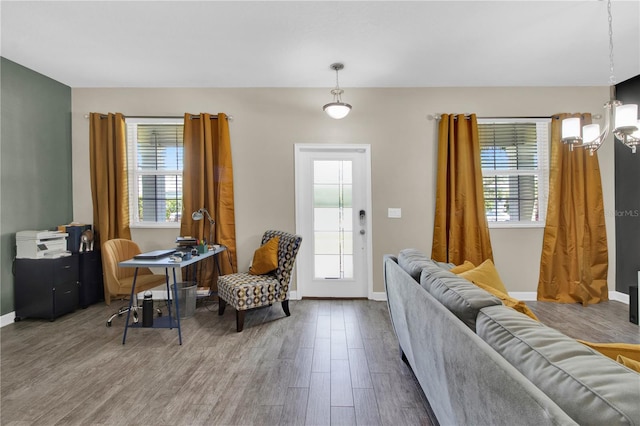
332 362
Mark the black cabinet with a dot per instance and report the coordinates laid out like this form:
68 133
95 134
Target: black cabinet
91 285
46 288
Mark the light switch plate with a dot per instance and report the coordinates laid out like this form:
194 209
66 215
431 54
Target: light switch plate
394 213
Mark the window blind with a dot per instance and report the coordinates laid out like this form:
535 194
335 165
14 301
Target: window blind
157 154
513 160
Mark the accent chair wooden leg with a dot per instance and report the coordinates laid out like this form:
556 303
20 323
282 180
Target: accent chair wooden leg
239 320
285 307
221 305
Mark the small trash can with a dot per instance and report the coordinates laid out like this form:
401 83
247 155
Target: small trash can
186 298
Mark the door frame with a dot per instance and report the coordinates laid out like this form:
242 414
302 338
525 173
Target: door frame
360 148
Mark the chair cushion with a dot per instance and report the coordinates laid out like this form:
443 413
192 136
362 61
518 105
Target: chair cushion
245 291
265 259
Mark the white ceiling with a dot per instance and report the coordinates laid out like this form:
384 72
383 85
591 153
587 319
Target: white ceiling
292 43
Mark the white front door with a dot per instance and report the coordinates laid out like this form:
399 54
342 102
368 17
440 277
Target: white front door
333 203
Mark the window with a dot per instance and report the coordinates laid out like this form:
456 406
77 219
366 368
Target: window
155 164
515 170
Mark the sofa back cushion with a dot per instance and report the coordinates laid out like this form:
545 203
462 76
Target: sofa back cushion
462 298
412 261
589 387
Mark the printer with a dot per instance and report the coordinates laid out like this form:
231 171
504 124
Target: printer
41 244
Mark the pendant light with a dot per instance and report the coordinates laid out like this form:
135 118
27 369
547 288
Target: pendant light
337 109
626 126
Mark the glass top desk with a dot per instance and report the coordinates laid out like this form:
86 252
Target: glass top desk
166 263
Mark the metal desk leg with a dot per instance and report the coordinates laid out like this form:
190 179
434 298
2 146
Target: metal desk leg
175 298
168 283
133 289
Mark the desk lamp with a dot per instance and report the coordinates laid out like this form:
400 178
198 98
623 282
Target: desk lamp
198 215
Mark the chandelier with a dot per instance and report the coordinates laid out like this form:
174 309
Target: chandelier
626 126
337 109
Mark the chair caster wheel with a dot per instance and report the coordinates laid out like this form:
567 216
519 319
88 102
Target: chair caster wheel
108 323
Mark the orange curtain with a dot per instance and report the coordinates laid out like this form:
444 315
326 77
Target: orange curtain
574 261
460 230
108 170
208 183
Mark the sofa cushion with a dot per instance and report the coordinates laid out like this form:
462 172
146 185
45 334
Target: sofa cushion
412 261
612 350
487 274
509 301
458 295
591 388
629 363
466 266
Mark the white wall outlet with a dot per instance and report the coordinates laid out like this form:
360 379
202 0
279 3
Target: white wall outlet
394 213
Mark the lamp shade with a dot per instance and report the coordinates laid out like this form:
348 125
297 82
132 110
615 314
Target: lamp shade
590 132
337 110
626 116
636 134
571 128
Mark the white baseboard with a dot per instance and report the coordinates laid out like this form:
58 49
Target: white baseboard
378 296
7 319
532 296
524 295
620 297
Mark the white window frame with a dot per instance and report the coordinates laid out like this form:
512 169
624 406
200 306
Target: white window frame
133 174
543 127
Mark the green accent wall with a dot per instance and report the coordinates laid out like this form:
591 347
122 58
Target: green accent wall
35 159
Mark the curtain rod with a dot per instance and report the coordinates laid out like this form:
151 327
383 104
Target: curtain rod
193 117
437 116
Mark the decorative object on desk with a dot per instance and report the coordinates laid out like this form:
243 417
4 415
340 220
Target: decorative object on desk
147 309
75 231
118 281
245 291
202 247
198 215
86 241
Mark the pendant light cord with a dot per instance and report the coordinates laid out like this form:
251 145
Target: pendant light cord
612 79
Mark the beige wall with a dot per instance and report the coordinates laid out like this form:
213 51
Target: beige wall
268 122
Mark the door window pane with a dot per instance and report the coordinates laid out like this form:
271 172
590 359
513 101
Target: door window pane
332 219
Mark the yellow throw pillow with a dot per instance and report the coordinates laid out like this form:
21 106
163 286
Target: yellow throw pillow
466 266
629 363
509 301
265 259
486 274
613 350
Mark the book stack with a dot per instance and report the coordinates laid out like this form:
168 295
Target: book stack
186 242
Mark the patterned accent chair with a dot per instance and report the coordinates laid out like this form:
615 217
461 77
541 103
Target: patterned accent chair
245 291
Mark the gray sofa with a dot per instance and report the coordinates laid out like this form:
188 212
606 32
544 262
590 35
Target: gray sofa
482 363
